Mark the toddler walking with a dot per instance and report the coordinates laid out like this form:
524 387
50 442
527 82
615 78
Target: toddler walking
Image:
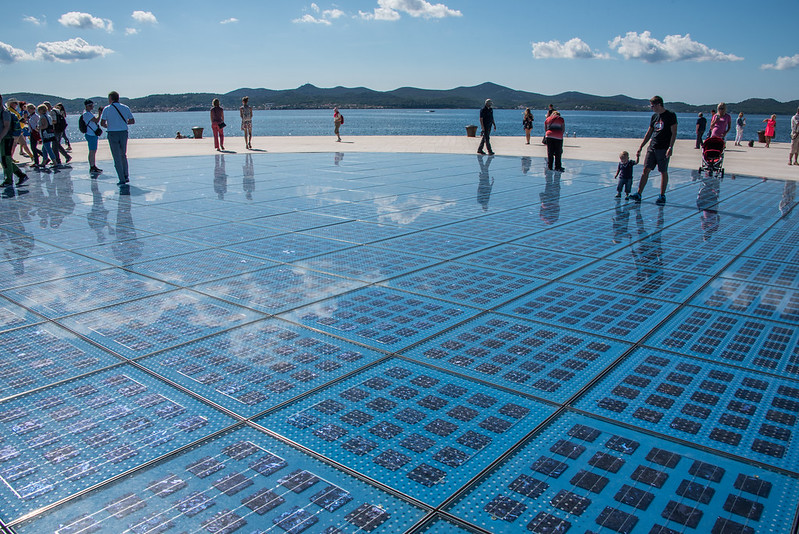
625 175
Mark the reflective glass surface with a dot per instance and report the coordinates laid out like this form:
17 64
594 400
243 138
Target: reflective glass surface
340 343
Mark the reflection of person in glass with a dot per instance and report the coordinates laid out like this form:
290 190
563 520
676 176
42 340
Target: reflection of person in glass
621 223
337 157
248 176
127 248
61 200
707 202
648 251
220 177
98 216
550 198
485 182
17 243
788 198
527 162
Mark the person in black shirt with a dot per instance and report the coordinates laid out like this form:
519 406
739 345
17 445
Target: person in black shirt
663 132
486 121
701 124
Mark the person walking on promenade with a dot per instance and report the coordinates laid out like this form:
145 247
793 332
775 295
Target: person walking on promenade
245 111
58 123
740 122
771 126
486 121
663 132
527 123
92 134
33 126
8 124
46 132
11 106
794 140
701 125
218 125
338 120
554 126
63 113
721 123
115 118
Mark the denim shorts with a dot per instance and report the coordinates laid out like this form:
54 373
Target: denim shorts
91 140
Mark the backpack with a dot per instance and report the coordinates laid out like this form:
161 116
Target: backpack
82 125
340 116
15 129
60 124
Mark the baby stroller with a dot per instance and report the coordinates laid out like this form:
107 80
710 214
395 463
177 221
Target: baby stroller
713 157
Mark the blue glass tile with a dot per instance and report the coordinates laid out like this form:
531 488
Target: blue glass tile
639 279
467 284
86 292
367 263
560 240
763 272
243 481
735 339
278 289
67 438
626 317
678 259
418 430
357 232
529 357
201 266
733 410
139 250
296 221
751 298
582 474
255 367
527 261
488 230
437 245
773 251
288 247
224 234
14 316
383 318
31 270
39 355
140 327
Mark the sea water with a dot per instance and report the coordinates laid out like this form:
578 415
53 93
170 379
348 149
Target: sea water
319 122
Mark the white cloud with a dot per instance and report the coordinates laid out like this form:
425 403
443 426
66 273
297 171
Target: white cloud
574 48
33 20
310 19
315 7
9 54
231 20
783 63
131 31
69 51
333 13
392 9
673 48
85 21
144 17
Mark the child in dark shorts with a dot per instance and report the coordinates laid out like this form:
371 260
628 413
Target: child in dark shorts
625 174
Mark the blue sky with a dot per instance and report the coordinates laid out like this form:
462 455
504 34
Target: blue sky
697 52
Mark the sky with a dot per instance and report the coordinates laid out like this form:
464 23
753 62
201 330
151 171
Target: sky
689 51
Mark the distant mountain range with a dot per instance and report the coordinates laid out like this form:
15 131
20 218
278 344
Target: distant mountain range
311 97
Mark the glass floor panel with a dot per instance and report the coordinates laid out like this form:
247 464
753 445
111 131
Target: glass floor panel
388 343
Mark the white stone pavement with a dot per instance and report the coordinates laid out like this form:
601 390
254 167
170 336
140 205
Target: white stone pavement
755 161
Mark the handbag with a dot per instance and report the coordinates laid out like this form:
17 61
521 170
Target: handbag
222 125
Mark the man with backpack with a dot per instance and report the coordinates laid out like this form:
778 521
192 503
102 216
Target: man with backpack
8 124
89 126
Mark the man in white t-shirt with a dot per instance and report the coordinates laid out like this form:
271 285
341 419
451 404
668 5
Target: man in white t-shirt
92 125
115 118
794 140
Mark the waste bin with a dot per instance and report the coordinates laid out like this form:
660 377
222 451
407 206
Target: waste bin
471 131
198 132
761 136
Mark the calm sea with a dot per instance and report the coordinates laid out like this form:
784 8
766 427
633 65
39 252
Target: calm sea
419 122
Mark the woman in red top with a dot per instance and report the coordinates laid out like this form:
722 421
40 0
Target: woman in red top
217 125
554 138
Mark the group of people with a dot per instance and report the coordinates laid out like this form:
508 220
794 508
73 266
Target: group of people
245 112
45 124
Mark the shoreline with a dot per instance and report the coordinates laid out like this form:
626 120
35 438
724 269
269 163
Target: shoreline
757 161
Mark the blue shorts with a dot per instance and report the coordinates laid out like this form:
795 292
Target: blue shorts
91 140
656 157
